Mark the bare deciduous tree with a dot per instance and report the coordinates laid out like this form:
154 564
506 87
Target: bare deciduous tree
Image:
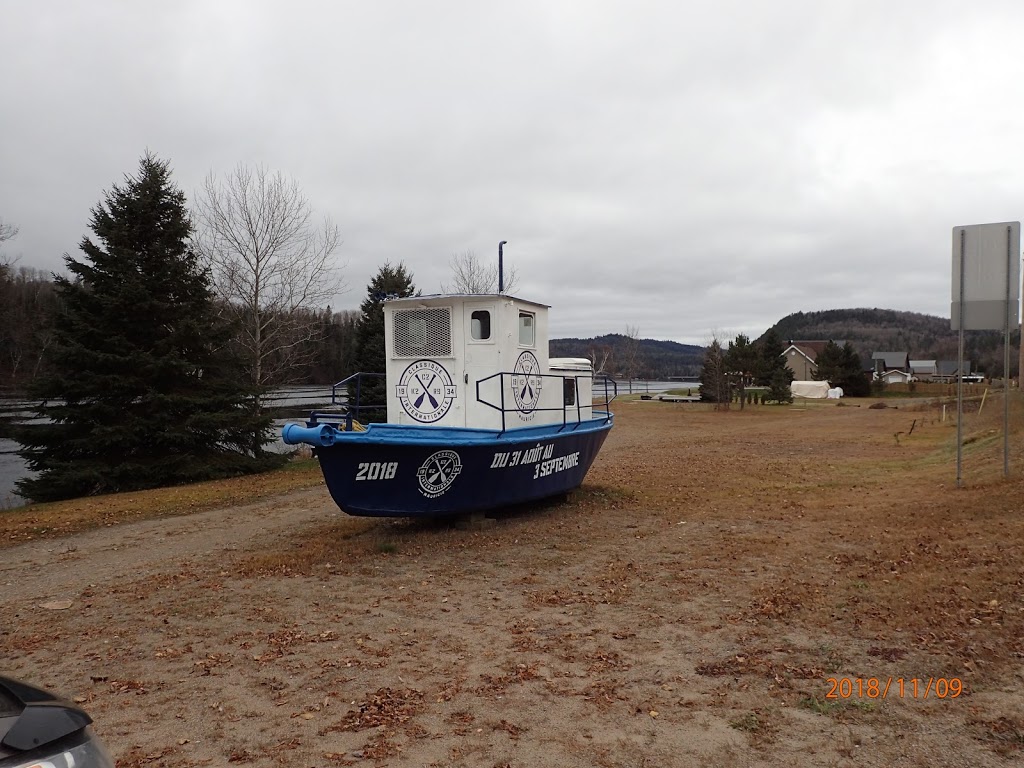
470 275
7 231
28 304
271 264
631 353
600 356
11 352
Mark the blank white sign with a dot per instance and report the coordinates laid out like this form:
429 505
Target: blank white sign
991 258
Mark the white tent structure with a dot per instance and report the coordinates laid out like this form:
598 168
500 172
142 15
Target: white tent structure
816 390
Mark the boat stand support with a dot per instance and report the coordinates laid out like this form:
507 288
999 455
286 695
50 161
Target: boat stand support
475 521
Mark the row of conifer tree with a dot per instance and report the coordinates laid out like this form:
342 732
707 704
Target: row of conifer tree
136 367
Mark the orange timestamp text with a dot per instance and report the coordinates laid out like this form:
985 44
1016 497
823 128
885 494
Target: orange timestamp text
896 687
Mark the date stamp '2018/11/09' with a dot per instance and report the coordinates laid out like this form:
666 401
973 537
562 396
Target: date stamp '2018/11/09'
895 687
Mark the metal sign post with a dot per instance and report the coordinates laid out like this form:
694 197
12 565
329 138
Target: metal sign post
986 275
960 375
1011 283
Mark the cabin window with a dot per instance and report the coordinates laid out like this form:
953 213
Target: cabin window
480 325
526 329
423 332
569 391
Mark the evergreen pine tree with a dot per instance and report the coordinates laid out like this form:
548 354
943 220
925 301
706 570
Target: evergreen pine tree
773 371
841 367
713 385
855 383
370 356
741 360
779 390
829 365
770 350
142 393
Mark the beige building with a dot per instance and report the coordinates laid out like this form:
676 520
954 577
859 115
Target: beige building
800 357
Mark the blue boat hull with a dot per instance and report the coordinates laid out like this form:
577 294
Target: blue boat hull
413 471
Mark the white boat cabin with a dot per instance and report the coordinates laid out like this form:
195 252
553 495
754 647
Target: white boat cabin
457 360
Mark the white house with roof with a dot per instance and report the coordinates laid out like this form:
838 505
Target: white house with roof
895 377
883 362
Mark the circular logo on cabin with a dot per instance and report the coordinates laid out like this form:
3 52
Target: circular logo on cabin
426 391
526 382
438 472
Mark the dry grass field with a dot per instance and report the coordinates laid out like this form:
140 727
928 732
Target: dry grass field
718 576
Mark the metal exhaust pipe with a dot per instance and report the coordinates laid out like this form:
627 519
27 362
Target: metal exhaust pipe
501 267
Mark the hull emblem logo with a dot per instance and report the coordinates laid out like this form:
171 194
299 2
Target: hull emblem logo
438 472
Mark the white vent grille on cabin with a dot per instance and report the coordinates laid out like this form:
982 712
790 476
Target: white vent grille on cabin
423 332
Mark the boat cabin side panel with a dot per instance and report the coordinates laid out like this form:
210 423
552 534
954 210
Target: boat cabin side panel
440 347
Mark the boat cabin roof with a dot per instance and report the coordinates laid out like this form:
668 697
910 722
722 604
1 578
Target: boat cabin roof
450 298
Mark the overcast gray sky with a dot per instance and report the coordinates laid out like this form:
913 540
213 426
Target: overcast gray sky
685 167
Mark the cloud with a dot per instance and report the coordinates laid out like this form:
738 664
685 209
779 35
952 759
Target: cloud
678 166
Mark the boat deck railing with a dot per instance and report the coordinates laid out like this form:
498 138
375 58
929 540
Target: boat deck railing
610 392
353 410
351 417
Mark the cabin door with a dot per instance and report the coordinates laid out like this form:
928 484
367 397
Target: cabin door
482 359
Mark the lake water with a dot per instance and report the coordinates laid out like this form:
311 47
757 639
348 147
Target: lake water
12 468
300 399
654 387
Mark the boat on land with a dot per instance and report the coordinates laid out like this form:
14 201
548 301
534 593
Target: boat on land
478 416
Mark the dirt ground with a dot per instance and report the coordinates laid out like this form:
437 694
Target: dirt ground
695 603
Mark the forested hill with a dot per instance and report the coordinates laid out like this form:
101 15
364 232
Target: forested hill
925 337
641 358
869 329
